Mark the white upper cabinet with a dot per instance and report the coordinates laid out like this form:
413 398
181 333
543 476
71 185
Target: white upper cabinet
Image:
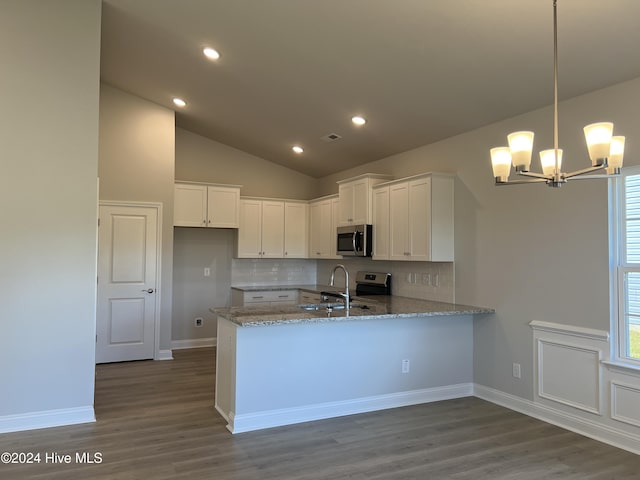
323 214
223 206
272 229
381 223
418 225
296 229
199 205
250 231
356 199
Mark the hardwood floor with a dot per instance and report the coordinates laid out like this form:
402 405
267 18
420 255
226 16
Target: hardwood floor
156 420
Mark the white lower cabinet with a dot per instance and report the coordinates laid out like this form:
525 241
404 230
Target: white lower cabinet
417 221
264 298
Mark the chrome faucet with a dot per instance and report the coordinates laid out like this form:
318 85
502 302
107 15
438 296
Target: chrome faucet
345 295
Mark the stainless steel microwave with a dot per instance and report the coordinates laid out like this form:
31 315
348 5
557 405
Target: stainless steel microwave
354 241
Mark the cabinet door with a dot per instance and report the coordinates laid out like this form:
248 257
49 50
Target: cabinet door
296 226
190 205
332 231
398 222
381 223
419 219
361 202
346 192
315 232
272 229
250 230
223 207
320 226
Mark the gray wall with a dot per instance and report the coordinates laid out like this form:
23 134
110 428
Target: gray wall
49 52
199 159
532 252
137 162
193 293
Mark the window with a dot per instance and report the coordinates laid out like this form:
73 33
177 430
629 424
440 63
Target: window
625 234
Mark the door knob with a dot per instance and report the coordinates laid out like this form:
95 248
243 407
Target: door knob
149 290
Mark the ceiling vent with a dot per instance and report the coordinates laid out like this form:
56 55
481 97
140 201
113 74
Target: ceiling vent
330 137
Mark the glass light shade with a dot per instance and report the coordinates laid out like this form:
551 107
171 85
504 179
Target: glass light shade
501 162
521 144
598 136
616 152
548 161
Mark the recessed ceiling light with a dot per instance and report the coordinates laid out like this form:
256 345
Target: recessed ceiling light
358 120
211 53
298 149
179 102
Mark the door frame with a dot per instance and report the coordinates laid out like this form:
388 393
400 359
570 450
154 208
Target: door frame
158 297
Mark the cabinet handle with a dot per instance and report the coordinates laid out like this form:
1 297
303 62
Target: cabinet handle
209 221
259 296
283 296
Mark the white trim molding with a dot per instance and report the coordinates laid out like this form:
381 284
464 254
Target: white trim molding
572 330
46 419
164 355
287 416
194 343
577 424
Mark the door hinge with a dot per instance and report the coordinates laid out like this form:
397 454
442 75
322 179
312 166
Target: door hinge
98 222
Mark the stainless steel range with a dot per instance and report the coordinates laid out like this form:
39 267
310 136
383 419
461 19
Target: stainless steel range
373 283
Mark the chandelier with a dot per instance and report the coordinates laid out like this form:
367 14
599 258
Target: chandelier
605 150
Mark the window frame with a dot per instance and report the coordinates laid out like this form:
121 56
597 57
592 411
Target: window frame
619 267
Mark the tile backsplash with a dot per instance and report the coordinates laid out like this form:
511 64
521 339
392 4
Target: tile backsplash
424 280
253 271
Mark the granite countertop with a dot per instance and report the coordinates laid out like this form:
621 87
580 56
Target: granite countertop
314 288
365 308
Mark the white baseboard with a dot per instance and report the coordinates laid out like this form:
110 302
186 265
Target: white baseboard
597 431
46 419
164 355
287 416
194 343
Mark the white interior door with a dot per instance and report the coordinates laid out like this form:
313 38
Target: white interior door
127 297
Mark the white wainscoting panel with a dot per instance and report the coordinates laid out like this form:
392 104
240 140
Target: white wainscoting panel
569 374
625 403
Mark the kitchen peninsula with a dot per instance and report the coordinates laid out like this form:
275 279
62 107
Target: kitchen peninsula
280 365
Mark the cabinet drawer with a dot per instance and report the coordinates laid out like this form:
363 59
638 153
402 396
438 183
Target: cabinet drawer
268 296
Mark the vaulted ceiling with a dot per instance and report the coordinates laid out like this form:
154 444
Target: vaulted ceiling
293 71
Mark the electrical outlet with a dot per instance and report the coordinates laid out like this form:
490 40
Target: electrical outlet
405 365
516 370
426 279
207 272
197 321
436 280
